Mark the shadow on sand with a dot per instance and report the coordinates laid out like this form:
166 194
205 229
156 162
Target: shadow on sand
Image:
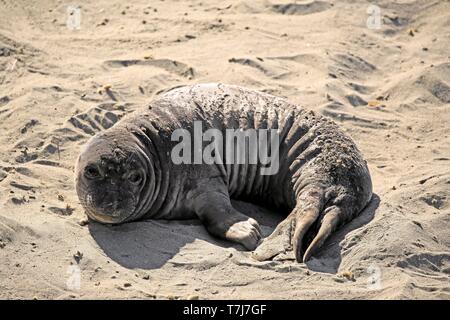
150 244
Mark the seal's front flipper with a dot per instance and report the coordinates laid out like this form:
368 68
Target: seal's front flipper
220 218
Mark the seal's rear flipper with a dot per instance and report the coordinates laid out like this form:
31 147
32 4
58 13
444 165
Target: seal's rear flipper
290 234
330 221
308 226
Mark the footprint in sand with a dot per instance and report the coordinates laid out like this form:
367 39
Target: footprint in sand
171 66
301 8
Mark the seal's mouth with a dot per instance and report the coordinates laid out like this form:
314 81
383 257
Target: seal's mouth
108 215
107 218
113 212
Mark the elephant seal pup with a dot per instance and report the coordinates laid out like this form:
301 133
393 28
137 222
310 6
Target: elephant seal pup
131 171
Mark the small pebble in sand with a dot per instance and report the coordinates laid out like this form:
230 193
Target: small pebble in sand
338 279
348 275
127 284
146 277
78 256
193 297
68 210
103 23
83 222
106 87
373 103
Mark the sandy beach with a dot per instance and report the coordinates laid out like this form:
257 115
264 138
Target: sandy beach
69 69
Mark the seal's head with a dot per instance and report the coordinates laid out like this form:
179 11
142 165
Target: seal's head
110 176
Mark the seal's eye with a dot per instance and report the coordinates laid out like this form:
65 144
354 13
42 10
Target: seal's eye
92 172
134 177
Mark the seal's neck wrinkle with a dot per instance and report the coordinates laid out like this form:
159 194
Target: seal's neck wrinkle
152 185
149 189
